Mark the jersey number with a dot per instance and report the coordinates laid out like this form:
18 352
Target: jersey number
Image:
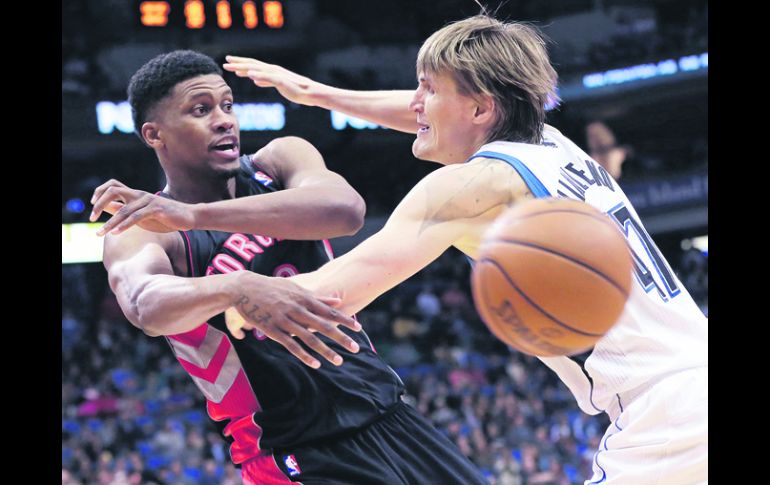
667 287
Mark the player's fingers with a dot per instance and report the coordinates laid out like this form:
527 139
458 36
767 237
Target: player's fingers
100 189
315 343
332 301
237 60
111 194
134 218
311 322
121 215
241 71
116 219
235 323
265 79
237 332
244 66
327 312
240 68
291 345
114 207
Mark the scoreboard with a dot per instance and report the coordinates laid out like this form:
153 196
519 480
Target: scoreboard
210 14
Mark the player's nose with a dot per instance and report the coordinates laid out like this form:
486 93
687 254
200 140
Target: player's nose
224 121
416 103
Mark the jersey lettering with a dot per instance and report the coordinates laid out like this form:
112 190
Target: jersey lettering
243 246
224 263
266 241
651 257
601 177
572 184
580 173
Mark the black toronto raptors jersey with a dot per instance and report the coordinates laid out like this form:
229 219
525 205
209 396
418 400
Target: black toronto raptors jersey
259 394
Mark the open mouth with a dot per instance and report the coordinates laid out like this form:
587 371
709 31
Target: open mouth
229 149
224 147
423 128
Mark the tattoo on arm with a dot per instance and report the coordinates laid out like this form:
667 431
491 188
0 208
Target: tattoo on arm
252 311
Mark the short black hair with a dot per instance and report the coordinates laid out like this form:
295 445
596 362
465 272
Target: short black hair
155 80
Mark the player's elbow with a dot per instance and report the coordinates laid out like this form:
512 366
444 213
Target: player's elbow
142 312
135 299
351 211
139 319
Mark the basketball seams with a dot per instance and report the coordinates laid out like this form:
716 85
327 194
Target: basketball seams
503 332
533 304
554 247
564 256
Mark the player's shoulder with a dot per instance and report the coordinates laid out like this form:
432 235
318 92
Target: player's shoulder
288 141
479 182
288 155
475 171
282 147
551 130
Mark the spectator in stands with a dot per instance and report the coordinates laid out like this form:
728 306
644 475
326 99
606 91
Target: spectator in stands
603 147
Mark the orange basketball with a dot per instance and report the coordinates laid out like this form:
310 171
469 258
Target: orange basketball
552 276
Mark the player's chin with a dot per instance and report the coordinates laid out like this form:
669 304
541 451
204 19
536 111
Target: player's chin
423 151
420 150
227 170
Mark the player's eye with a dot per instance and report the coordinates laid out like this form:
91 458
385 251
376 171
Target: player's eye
200 109
228 107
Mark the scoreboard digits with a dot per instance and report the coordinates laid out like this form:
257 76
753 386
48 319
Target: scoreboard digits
249 14
154 14
195 17
218 14
224 20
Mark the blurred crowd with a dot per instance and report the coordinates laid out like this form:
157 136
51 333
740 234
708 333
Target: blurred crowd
131 415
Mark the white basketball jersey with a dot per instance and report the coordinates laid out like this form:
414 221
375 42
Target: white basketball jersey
661 330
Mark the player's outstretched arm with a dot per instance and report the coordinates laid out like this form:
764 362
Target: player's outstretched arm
446 207
316 203
142 277
387 108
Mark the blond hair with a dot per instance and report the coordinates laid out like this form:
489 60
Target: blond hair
507 61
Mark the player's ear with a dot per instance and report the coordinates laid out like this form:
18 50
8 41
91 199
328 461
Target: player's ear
151 134
485 110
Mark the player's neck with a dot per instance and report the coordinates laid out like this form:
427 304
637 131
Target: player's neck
193 192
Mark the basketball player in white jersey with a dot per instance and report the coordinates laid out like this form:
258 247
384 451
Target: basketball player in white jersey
479 110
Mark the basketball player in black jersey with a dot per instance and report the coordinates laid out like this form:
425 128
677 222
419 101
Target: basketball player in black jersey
176 260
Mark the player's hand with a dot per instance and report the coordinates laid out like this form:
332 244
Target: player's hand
137 207
292 86
281 310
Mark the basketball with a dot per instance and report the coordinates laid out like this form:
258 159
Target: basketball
552 276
